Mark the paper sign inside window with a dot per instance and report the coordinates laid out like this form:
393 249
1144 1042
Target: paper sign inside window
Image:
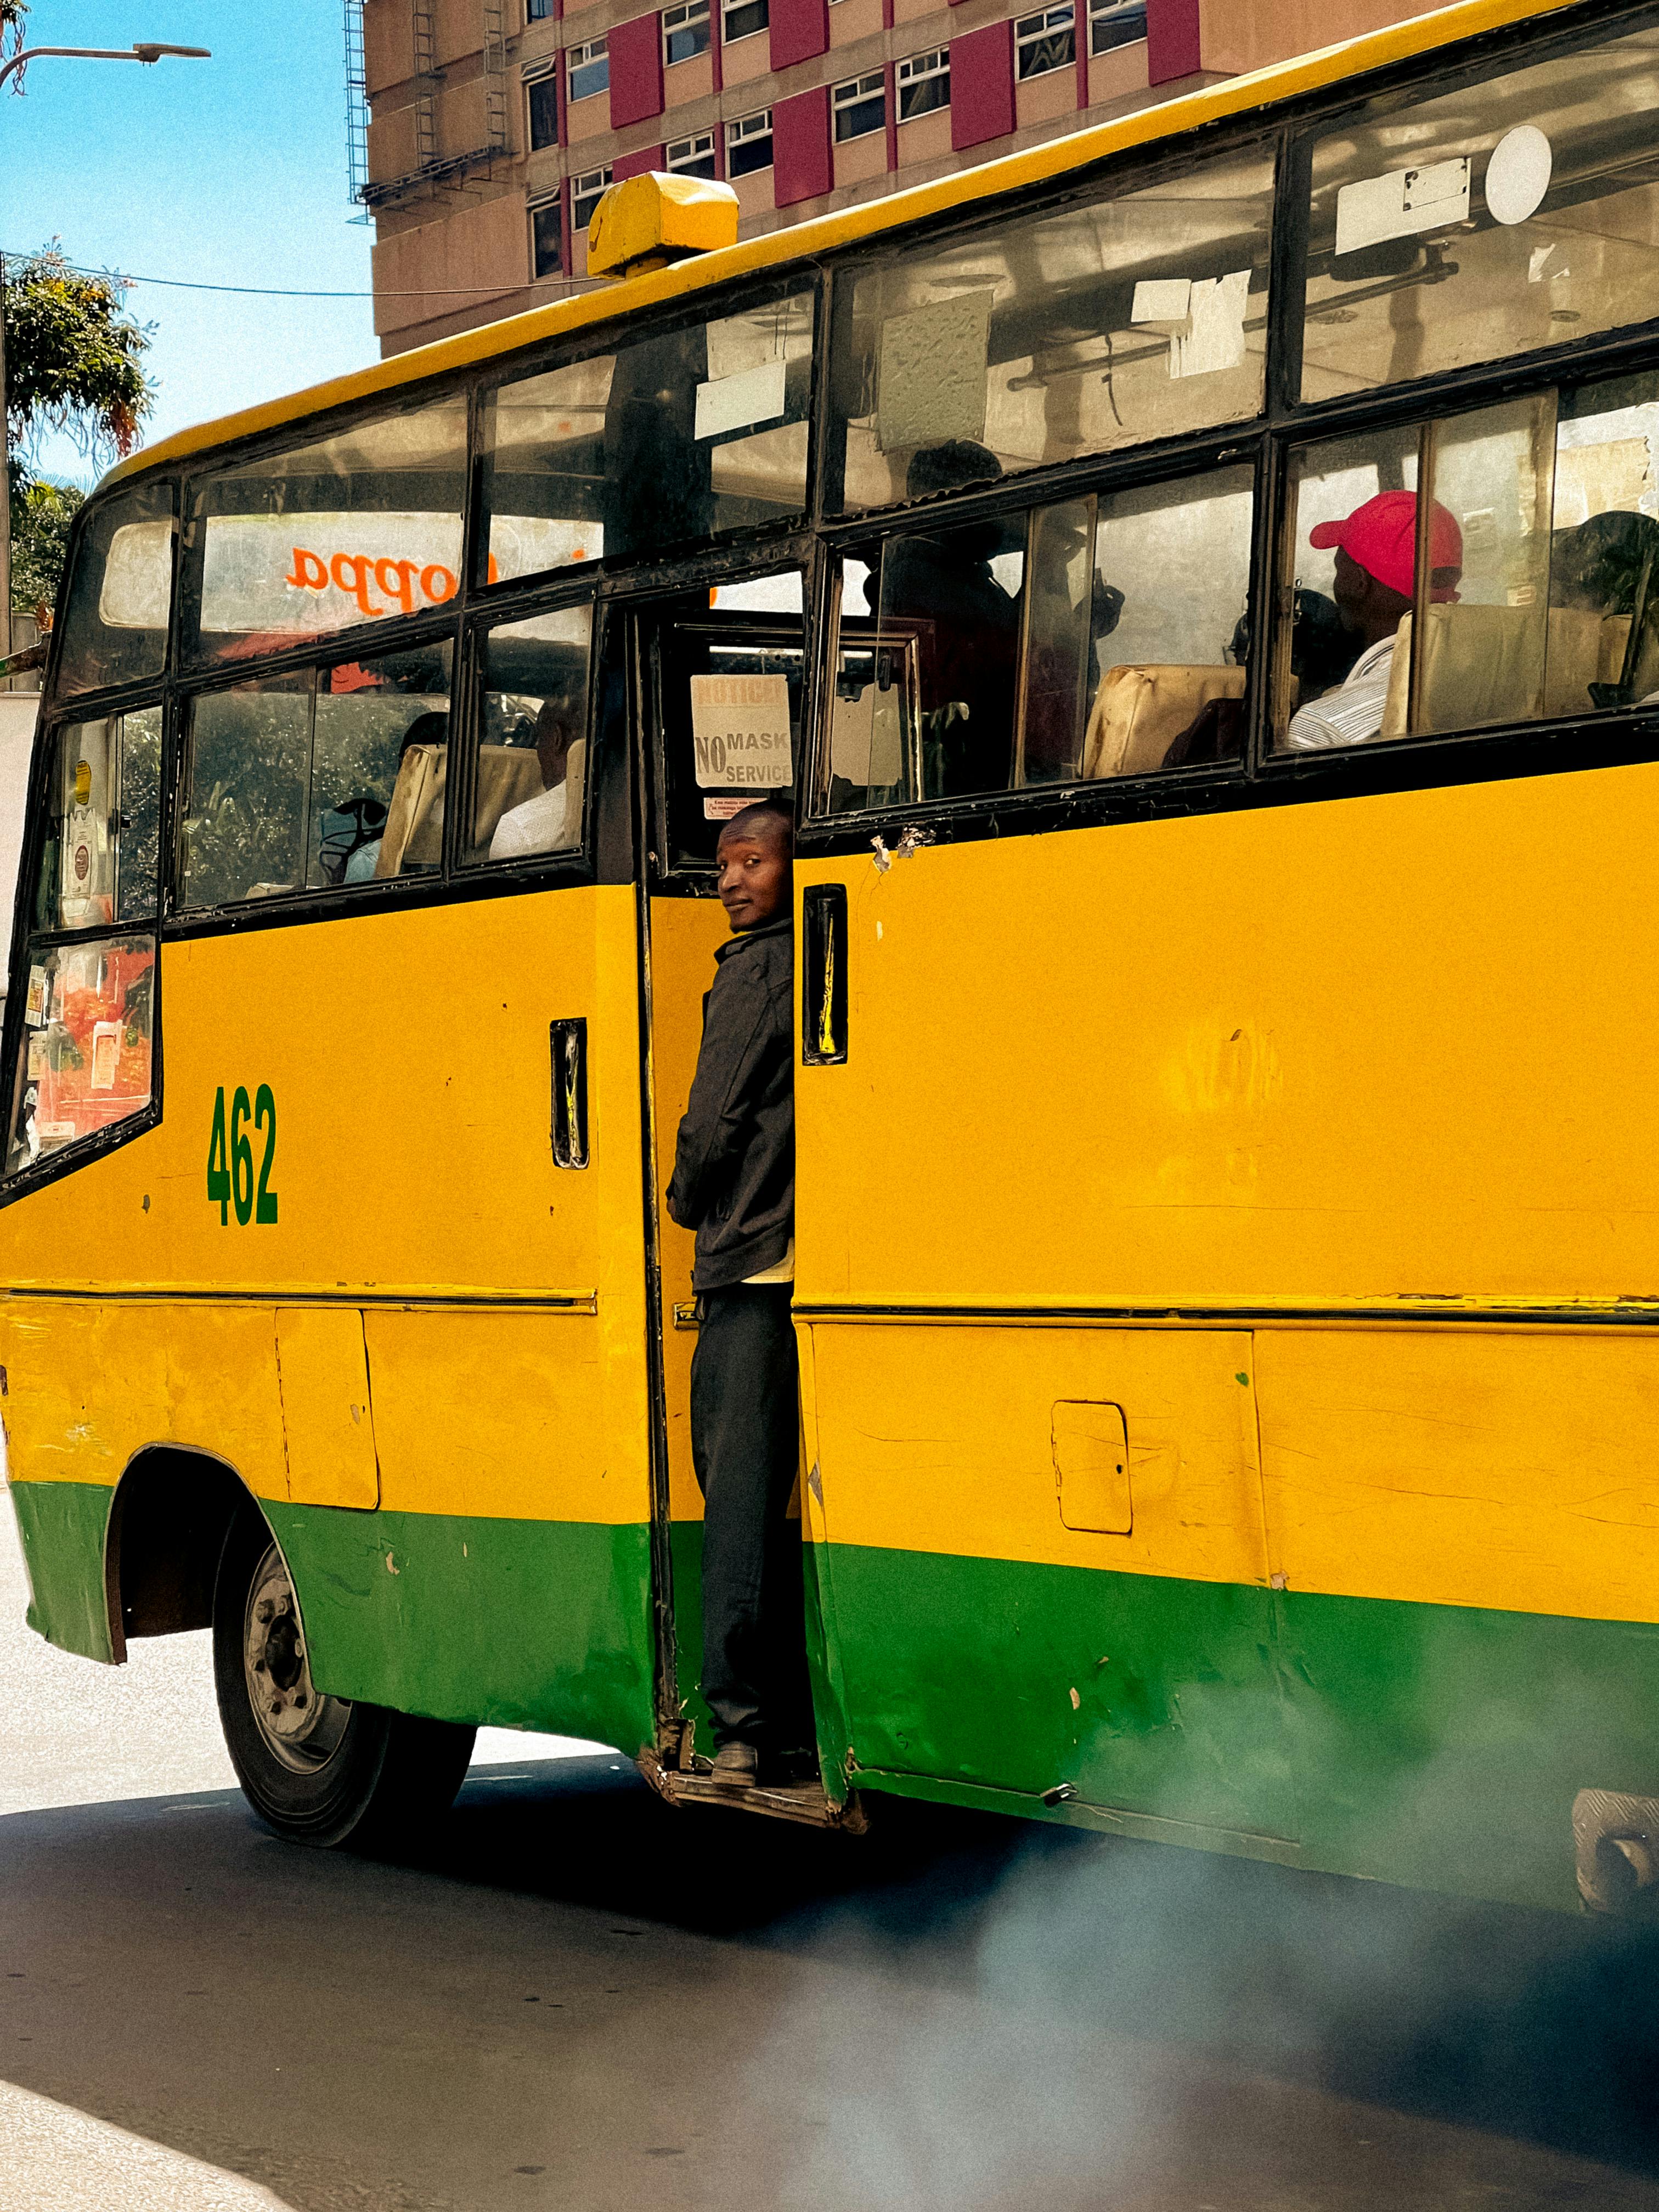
740 733
137 577
1214 338
930 386
741 401
1401 204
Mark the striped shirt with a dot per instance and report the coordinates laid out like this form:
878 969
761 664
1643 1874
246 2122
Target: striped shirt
1353 712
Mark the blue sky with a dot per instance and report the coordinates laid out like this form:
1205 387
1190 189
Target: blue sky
230 172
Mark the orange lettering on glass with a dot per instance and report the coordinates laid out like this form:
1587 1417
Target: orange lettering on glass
359 576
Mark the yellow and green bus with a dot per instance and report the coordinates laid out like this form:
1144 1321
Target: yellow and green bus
1227 1270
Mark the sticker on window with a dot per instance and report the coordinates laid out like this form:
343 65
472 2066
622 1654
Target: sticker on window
1401 204
930 385
740 733
741 401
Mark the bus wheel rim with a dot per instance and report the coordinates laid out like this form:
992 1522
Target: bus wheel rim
300 1728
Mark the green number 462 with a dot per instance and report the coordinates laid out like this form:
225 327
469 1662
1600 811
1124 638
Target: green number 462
230 1165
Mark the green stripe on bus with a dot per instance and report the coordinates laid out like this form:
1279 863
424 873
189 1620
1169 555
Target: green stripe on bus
61 1525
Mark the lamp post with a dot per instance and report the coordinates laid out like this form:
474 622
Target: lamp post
148 51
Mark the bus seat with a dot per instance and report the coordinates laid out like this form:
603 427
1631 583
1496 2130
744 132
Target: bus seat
413 830
507 776
1140 712
1482 665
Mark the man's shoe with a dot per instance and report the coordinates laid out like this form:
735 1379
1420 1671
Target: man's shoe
736 1767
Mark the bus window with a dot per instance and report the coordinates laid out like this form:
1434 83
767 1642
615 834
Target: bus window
729 668
104 801
1518 213
354 529
1168 658
87 1032
529 776
115 618
1540 595
1071 643
1044 338
317 779
687 434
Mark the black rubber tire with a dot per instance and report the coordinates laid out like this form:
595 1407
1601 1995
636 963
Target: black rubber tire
386 1780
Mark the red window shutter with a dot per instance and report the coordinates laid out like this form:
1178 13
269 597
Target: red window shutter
638 164
635 72
1173 47
801 28
800 147
982 85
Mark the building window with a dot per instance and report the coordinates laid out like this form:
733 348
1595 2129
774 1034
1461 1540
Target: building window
859 106
585 193
1115 23
537 11
742 19
924 83
1043 42
749 144
545 258
686 32
542 91
692 157
587 70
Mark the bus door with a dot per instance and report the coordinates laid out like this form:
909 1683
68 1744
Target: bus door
719 674
1034 1484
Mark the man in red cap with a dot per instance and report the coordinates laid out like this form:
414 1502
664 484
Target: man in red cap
1375 564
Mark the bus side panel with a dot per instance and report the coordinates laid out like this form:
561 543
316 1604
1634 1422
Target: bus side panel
512 1623
61 1526
88 1387
994 1624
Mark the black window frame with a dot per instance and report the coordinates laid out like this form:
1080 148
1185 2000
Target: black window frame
1626 735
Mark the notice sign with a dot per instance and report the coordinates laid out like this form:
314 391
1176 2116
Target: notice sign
740 732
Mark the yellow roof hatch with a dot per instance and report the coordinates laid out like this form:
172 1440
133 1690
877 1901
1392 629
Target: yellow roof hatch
646 222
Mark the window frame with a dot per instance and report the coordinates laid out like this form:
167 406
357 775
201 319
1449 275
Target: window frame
940 57
532 76
731 8
864 90
736 131
591 198
1103 11
684 154
1035 31
587 55
539 203
695 13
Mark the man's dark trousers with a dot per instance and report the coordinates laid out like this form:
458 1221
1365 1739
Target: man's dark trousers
746 1441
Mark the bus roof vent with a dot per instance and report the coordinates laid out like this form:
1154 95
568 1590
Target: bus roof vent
645 222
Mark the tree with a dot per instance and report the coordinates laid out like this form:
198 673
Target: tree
40 517
74 364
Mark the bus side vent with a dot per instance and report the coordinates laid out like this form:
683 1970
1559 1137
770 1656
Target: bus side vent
824 976
568 1045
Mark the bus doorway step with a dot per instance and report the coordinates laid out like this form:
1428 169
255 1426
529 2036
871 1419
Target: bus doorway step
802 1801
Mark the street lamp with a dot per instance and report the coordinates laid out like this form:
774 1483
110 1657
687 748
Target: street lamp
148 51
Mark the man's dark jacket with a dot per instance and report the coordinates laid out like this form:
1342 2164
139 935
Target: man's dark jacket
734 1164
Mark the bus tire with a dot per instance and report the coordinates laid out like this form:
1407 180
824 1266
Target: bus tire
317 1770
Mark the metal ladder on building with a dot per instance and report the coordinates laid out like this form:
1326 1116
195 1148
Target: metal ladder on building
425 24
495 74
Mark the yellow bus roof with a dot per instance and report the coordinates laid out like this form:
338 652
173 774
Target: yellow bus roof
824 234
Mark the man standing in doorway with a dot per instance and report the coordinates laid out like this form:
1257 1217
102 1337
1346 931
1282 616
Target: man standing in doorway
734 1183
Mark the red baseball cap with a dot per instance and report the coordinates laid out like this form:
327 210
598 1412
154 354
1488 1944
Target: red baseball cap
1381 536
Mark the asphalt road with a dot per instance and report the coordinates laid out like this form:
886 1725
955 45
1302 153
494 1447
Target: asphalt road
574 1998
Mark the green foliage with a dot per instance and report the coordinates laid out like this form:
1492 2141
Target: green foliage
40 517
74 358
73 364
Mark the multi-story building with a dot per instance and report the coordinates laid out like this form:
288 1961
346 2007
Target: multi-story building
485 130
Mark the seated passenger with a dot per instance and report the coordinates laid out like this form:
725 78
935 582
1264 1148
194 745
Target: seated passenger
967 628
1376 564
538 825
431 728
